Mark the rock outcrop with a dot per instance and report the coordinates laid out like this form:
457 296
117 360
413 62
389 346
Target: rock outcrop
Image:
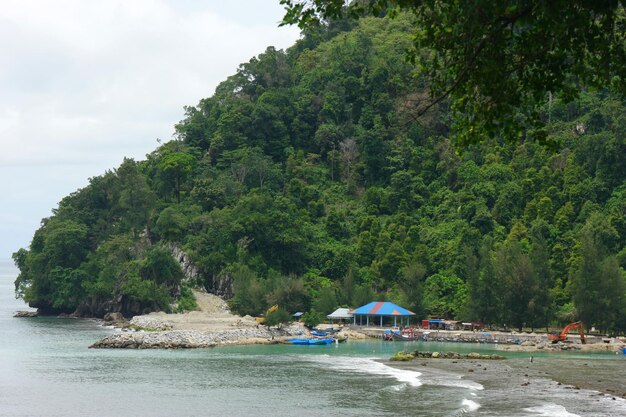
190 271
26 314
221 284
99 307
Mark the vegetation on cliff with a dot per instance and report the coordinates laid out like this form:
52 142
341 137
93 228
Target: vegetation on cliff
306 181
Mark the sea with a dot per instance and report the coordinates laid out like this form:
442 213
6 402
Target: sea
47 369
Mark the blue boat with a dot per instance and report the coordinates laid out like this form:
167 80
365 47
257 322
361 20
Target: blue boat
306 341
319 333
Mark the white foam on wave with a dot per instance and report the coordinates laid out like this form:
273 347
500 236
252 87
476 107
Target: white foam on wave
455 381
550 410
398 388
371 366
469 405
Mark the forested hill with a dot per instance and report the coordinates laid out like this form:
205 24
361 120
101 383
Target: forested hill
307 181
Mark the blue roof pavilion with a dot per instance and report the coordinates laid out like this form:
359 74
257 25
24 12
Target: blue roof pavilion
378 310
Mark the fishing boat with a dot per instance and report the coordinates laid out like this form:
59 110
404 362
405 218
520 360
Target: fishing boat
406 337
308 341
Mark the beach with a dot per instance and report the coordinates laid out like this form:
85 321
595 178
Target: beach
590 374
517 382
212 325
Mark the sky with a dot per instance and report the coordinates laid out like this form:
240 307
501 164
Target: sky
85 83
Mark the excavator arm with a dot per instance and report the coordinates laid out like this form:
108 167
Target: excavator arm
563 336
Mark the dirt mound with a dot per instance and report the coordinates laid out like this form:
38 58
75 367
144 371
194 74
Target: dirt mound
210 303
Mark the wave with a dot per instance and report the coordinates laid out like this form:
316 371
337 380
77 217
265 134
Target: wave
469 405
371 366
455 381
550 410
406 376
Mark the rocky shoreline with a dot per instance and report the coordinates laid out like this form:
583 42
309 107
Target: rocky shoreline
527 342
404 356
188 339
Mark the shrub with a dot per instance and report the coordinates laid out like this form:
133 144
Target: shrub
312 318
277 317
186 301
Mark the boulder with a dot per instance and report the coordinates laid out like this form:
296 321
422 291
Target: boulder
25 314
111 317
402 357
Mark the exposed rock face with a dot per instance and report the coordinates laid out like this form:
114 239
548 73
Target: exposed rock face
116 319
108 317
190 271
96 307
221 285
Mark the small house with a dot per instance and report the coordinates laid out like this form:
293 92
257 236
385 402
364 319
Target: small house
341 315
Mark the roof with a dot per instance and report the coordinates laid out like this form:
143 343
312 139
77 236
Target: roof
298 314
382 308
340 313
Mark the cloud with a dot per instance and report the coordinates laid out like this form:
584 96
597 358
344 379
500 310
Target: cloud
85 83
90 74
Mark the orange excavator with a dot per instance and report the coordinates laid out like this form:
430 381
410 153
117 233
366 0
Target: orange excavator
556 337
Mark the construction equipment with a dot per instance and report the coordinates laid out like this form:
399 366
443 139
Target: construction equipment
562 337
261 320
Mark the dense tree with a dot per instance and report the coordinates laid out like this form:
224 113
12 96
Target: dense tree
514 269
499 60
306 182
598 286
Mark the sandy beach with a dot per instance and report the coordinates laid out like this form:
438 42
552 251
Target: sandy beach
212 325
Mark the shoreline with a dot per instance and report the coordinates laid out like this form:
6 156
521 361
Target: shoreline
520 374
596 375
213 324
217 327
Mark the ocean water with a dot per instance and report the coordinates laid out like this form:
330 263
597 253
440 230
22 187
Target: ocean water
46 369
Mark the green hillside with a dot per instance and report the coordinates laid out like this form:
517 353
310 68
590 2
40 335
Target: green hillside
307 181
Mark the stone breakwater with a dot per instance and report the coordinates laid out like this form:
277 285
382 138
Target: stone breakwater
408 356
188 339
485 337
151 323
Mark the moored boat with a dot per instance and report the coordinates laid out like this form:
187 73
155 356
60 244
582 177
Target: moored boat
406 337
307 341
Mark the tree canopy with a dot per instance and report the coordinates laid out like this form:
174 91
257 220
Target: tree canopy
498 61
305 182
